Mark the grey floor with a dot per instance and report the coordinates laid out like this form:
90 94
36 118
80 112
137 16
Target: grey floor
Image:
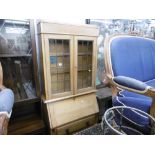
104 102
93 130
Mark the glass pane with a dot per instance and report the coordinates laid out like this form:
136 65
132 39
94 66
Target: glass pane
16 58
60 65
85 51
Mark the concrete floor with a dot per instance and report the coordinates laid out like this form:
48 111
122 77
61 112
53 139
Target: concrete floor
93 130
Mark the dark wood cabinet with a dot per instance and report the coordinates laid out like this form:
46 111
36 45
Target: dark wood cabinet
19 61
17 56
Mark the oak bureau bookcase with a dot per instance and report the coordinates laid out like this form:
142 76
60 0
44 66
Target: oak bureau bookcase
68 57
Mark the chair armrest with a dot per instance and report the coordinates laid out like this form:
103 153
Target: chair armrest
136 86
130 84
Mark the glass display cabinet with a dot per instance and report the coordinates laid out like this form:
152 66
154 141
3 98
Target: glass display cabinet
17 58
68 58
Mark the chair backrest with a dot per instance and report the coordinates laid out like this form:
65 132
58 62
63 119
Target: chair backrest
130 56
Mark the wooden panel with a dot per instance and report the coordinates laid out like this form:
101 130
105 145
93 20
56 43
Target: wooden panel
95 51
34 55
32 125
43 66
55 28
69 96
72 109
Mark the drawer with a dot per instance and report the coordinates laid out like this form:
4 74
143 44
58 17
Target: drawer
76 126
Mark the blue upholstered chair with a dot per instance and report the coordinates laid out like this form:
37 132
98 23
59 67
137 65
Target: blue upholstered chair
6 104
130 70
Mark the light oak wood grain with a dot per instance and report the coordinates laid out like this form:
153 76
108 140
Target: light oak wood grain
67 107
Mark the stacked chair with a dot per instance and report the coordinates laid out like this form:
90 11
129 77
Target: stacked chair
6 105
130 72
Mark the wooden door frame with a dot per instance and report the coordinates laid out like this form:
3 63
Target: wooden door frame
47 62
94 63
34 56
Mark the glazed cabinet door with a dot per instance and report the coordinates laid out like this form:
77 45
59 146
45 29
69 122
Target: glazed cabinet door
59 62
85 63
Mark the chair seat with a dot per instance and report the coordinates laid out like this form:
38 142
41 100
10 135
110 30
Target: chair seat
126 98
146 101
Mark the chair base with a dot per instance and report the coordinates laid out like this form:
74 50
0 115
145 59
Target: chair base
3 124
115 121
